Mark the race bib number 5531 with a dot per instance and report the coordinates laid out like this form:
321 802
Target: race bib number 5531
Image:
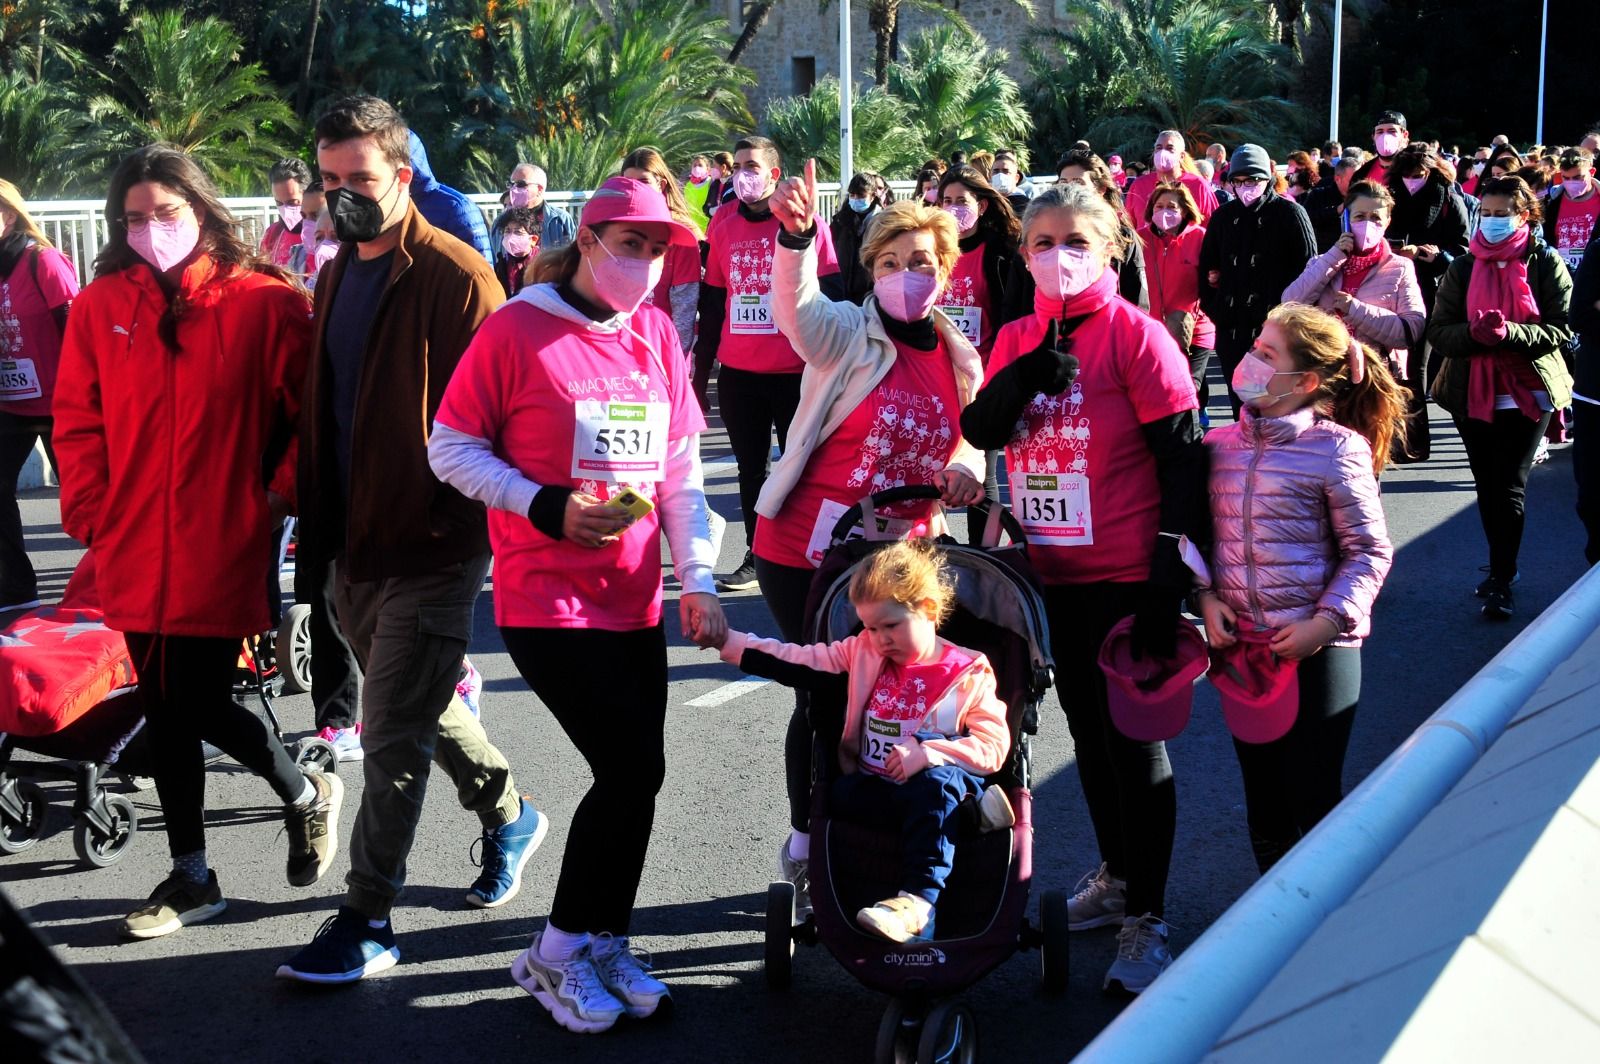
616 440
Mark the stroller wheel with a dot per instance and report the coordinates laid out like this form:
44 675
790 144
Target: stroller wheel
294 649
318 755
897 1036
1053 936
22 813
949 1035
780 935
102 848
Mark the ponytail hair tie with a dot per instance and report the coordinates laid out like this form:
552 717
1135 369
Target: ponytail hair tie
1355 359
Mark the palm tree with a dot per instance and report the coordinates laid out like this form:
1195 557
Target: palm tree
959 93
752 26
887 139
33 31
883 18
40 121
179 81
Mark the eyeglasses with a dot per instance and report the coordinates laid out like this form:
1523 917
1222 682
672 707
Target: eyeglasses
522 184
165 215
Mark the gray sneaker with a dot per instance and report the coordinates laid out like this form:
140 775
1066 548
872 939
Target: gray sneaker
1142 954
314 831
798 873
571 990
175 903
627 975
1100 901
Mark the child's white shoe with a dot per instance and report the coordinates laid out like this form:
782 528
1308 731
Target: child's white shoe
903 918
994 810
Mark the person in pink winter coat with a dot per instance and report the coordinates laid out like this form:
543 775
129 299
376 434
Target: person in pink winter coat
1300 549
923 724
1365 283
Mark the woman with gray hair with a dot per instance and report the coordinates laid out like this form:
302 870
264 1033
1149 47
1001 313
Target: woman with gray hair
1093 402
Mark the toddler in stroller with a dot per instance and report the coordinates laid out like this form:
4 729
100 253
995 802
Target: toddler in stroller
923 725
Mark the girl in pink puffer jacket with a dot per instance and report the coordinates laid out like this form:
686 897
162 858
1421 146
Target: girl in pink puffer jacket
1301 549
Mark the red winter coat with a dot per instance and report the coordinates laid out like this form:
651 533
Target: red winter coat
165 455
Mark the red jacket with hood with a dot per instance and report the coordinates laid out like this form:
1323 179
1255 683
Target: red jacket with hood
167 455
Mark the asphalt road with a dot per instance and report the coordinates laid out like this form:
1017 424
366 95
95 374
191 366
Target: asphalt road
208 992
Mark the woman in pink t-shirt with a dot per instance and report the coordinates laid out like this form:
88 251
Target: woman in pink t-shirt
880 407
571 417
1093 402
37 285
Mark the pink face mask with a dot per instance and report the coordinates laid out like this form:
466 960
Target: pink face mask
520 197
1062 272
165 244
907 295
931 196
1387 144
324 254
966 217
517 245
1166 160
290 213
1414 184
622 284
1367 234
1167 219
308 232
1575 187
750 185
1248 194
697 173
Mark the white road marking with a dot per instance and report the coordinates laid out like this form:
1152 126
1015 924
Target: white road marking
728 692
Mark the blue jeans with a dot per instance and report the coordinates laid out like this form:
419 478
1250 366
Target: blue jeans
923 808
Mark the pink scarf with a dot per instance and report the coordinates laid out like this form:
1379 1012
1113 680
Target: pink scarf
1091 299
1500 282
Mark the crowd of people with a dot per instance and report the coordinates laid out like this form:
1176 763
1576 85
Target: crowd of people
427 391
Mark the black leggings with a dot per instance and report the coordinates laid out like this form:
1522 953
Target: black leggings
785 588
1500 453
186 687
18 583
752 405
1290 784
1127 784
608 691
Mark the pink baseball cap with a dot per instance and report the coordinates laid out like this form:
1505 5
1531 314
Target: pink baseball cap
1260 691
1150 698
622 199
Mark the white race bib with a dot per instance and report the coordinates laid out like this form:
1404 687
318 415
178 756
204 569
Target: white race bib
619 441
1574 257
968 319
1053 508
18 380
828 516
751 314
878 737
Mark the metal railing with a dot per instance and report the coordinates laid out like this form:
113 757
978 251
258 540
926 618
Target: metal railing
1194 1003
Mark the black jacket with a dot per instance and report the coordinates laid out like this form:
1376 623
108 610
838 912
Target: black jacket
1436 215
1585 320
1259 250
1324 205
848 229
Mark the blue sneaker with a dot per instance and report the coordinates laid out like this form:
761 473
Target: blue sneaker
505 853
470 687
345 949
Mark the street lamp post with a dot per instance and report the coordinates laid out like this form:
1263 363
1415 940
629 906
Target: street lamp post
1544 40
1338 44
847 151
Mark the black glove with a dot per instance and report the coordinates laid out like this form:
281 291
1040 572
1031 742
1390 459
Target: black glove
1155 622
1049 368
548 511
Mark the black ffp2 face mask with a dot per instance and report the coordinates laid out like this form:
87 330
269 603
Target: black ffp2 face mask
356 218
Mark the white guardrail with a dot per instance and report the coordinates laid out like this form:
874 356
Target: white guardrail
1194 1003
78 227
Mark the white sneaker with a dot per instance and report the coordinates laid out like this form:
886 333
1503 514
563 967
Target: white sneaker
1142 954
470 687
627 976
798 873
571 990
346 742
994 810
1099 902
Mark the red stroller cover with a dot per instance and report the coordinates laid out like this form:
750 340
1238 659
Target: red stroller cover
59 662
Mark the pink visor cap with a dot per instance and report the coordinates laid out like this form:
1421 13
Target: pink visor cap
622 199
1260 691
1150 699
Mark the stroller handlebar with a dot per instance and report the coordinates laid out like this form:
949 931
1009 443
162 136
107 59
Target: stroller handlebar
855 517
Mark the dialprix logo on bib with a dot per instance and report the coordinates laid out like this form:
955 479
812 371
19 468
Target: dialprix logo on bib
1038 483
627 412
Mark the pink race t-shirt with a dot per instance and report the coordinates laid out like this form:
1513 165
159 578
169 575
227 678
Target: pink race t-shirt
1574 225
682 267
30 340
901 699
966 302
903 433
573 407
740 260
1083 481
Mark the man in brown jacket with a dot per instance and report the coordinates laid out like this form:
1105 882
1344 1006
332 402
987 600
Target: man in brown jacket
394 313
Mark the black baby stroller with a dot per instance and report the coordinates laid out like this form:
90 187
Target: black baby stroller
982 912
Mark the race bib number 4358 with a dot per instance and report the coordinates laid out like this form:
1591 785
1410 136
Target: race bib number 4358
18 380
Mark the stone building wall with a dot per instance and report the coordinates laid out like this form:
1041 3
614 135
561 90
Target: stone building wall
800 38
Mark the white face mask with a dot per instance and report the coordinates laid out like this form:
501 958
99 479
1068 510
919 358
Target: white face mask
1003 183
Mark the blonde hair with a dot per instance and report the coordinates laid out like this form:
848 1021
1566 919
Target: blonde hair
1319 343
910 572
11 200
908 216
